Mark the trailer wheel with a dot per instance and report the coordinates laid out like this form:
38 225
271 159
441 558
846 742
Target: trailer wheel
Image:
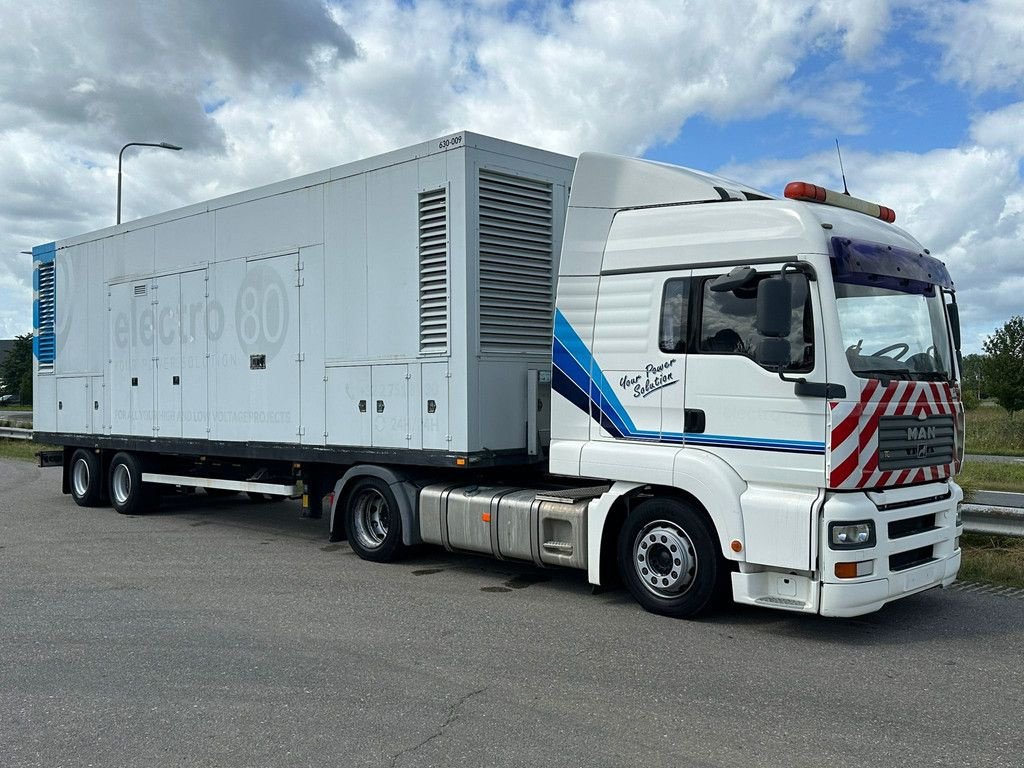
85 478
373 524
668 559
128 494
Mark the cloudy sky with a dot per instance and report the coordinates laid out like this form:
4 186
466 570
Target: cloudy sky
925 96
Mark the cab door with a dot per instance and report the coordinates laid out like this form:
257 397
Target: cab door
752 417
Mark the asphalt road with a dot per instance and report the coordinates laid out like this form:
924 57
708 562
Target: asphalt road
235 634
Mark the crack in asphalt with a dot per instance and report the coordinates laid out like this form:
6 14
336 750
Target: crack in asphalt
453 715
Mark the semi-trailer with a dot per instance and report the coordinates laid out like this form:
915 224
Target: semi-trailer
639 370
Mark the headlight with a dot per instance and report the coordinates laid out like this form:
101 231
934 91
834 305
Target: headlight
959 515
859 535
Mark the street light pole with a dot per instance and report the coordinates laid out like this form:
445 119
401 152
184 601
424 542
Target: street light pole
120 155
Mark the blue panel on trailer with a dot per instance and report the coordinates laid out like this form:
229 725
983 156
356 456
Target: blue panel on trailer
44 342
45 253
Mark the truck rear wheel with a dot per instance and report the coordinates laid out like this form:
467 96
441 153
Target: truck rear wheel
128 494
668 559
373 523
85 478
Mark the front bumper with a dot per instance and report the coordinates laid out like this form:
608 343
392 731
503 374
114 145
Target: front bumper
916 546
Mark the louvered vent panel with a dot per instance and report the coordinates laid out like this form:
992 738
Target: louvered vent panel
46 337
516 281
434 271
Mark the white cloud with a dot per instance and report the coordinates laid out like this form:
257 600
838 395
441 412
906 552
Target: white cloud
1001 128
983 41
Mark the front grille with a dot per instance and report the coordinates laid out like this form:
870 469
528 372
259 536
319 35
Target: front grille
906 442
910 502
909 559
899 529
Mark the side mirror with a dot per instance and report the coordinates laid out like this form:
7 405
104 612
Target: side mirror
954 323
774 297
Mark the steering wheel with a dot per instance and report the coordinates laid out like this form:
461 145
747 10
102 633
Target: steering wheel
903 349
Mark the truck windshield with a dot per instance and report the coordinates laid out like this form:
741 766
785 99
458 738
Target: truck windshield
891 334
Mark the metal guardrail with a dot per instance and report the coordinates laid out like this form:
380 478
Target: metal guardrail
15 433
1002 521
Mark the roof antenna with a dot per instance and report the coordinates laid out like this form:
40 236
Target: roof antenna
846 190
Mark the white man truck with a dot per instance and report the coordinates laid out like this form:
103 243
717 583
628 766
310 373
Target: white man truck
630 368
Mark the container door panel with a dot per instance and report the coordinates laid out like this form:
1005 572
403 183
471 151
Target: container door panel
167 340
433 405
193 333
142 366
390 414
97 396
72 405
120 360
348 406
268 328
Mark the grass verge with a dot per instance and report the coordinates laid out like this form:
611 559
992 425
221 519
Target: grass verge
24 450
984 476
992 559
990 430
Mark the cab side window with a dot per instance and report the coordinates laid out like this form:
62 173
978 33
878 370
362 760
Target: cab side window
675 310
727 323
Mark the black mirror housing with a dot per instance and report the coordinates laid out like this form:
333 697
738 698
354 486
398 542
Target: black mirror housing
774 313
954 323
736 278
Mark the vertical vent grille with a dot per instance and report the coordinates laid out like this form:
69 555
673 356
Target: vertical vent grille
140 290
434 271
516 280
46 337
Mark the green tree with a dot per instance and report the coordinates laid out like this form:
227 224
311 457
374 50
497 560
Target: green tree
17 367
974 376
1003 366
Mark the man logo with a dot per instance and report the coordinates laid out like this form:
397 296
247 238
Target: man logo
920 433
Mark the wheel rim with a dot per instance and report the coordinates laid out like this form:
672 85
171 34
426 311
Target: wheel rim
664 558
370 518
121 484
80 478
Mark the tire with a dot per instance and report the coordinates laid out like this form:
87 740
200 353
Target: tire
128 494
669 559
373 523
85 478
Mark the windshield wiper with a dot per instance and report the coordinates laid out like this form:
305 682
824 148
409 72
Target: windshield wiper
903 374
885 375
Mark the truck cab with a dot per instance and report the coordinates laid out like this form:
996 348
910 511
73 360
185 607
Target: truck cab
778 376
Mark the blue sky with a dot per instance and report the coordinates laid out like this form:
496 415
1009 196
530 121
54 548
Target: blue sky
925 97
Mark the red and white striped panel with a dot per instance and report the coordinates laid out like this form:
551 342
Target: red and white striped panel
853 428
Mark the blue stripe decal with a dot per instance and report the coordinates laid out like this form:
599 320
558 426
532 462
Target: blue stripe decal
578 378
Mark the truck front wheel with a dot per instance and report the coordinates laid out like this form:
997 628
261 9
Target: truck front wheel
668 558
373 523
86 478
128 494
